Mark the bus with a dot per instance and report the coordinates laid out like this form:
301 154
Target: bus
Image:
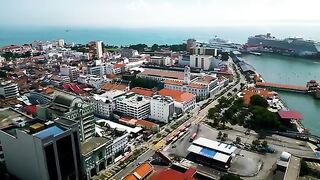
193 137
188 125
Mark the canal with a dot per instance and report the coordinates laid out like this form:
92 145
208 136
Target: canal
295 71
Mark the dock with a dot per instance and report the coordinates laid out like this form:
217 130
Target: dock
282 87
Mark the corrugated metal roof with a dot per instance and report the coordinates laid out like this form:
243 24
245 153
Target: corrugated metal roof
214 145
209 153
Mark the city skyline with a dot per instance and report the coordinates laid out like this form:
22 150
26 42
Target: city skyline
149 13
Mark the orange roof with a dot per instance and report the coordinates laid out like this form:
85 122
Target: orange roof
146 124
176 175
130 177
164 73
143 91
177 95
140 172
253 91
114 86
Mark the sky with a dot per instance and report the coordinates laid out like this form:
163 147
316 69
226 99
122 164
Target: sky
157 13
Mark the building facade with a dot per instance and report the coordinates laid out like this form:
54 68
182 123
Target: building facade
9 89
133 105
51 150
162 108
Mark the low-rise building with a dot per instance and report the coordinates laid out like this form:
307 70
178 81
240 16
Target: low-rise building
92 80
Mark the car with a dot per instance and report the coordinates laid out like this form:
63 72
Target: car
270 150
173 146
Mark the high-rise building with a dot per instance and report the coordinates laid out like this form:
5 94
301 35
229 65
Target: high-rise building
99 49
38 150
61 42
162 108
190 44
187 75
95 49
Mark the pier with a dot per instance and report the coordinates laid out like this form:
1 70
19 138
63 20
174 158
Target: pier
282 87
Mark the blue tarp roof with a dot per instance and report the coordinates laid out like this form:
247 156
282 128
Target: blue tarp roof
318 154
54 130
208 152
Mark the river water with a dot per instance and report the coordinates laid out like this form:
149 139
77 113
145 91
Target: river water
295 71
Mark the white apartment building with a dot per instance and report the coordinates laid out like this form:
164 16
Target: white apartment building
70 71
9 89
162 61
61 42
99 49
201 61
133 105
104 104
97 70
162 108
91 80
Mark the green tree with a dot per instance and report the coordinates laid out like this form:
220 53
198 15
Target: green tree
224 56
263 119
304 168
256 142
3 74
155 47
257 100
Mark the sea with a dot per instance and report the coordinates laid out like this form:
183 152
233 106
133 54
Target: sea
273 68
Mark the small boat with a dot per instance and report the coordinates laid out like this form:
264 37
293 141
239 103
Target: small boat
255 53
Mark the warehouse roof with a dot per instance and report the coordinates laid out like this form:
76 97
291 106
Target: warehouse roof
215 145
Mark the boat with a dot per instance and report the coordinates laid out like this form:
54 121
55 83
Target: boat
289 46
255 53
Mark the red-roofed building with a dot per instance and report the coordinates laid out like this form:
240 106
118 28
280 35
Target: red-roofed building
290 115
175 175
141 172
182 100
143 91
31 110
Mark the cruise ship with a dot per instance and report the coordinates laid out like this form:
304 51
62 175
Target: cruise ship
288 46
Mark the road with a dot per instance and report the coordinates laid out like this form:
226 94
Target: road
130 167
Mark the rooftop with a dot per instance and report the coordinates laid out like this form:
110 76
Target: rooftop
108 95
132 99
141 172
290 115
175 175
9 116
94 143
51 131
256 91
119 127
178 96
164 73
209 153
214 145
143 91
114 86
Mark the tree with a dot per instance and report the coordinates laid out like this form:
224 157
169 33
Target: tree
257 100
3 74
219 135
265 144
304 168
224 56
238 140
256 142
263 119
155 47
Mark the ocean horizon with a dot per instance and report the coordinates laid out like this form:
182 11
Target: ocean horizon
19 35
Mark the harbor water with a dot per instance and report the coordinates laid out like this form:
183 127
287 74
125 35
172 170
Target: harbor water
295 71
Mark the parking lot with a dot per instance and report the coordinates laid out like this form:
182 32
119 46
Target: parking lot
245 163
